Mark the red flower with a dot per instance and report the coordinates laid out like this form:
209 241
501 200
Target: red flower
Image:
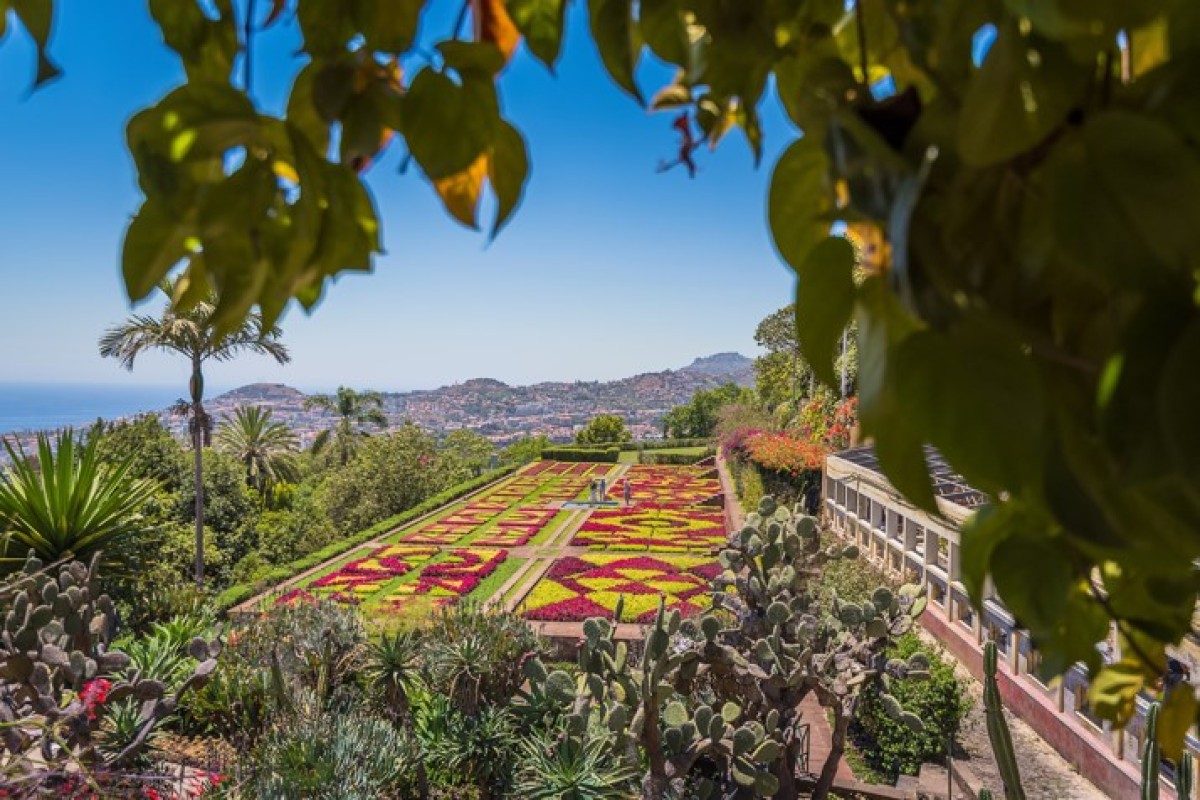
94 693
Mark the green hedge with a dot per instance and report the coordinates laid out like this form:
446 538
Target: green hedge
239 593
600 454
650 457
665 444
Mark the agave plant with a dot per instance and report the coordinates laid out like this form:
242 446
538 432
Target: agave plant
393 667
64 501
565 770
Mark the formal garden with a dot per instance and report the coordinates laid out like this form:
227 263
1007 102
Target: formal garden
533 544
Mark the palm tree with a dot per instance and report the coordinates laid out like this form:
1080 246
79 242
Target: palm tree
67 501
189 332
263 445
354 410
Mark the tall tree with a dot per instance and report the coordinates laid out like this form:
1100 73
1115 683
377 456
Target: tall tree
66 500
354 411
264 446
190 332
604 429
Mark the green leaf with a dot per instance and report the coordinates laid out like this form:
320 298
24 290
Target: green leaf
978 398
387 26
447 126
1114 691
617 37
207 46
154 242
1152 176
1033 577
812 86
327 25
38 18
663 28
800 200
483 59
1022 93
980 534
541 23
1179 401
302 111
1176 718
508 171
824 303
237 273
350 228
882 324
1086 19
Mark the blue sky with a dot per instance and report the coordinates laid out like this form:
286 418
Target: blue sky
607 269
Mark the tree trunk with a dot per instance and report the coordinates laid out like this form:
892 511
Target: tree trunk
198 423
837 746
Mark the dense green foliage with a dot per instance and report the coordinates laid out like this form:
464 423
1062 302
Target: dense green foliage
892 748
697 419
525 449
603 429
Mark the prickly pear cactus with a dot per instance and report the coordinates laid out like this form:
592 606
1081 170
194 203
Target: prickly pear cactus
648 708
726 689
53 644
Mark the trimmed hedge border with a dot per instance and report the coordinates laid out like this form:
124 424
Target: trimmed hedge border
651 457
609 455
666 444
240 593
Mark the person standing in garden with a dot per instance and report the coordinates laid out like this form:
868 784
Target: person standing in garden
628 491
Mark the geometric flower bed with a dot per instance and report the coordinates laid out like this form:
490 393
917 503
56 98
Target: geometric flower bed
438 533
365 576
666 486
455 576
515 528
575 588
649 528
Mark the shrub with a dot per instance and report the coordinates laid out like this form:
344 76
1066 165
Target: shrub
941 702
341 751
650 457
608 455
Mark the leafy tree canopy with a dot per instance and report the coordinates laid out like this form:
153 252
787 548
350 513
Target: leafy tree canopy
604 429
1025 175
697 418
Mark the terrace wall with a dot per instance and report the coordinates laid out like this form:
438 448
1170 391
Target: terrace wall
909 545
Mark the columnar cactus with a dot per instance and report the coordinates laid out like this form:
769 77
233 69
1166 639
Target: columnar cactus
54 642
1151 755
997 727
1185 777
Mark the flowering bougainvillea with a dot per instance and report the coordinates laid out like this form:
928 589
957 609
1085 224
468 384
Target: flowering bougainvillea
576 588
787 454
649 528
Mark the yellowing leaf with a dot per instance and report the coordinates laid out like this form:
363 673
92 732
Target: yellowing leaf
492 24
1176 719
460 192
1114 692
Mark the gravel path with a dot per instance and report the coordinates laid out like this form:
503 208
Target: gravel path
1044 773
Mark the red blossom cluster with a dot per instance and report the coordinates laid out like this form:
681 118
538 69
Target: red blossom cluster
94 695
777 452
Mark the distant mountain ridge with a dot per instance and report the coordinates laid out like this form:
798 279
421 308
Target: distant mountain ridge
502 412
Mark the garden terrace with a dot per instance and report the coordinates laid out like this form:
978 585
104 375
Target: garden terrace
513 545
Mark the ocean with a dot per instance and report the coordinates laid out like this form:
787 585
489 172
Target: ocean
46 406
